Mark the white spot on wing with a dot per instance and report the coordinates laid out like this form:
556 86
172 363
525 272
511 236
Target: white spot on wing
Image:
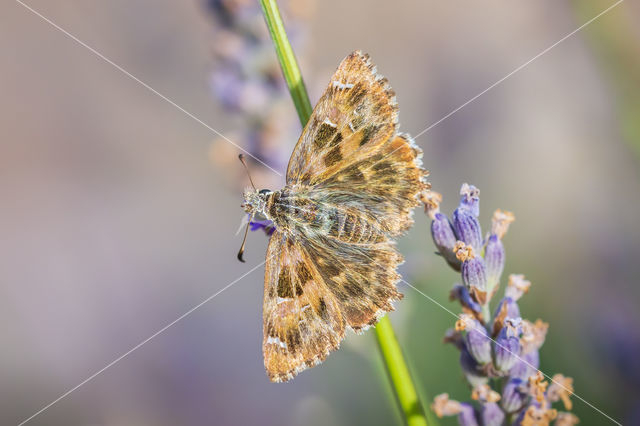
342 86
276 341
330 123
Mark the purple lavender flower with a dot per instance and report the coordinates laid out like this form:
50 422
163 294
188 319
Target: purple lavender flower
473 372
441 229
494 258
507 347
474 275
526 366
514 395
491 414
266 225
467 228
476 339
461 293
513 356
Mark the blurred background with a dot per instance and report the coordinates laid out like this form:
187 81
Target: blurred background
119 212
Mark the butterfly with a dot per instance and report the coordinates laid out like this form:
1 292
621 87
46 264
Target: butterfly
351 185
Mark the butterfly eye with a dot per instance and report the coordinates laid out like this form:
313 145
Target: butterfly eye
264 191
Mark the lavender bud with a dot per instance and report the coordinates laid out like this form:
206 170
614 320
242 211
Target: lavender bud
461 293
445 239
508 308
474 275
514 395
467 228
494 260
472 370
476 339
526 366
467 416
491 414
507 348
470 198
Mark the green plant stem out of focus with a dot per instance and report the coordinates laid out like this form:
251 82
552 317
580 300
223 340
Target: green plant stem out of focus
391 353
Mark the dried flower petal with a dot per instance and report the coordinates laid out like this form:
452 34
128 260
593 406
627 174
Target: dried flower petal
500 222
443 406
431 201
517 286
484 393
561 388
566 419
537 386
533 335
537 416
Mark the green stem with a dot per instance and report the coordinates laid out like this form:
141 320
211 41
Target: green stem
399 374
287 59
405 390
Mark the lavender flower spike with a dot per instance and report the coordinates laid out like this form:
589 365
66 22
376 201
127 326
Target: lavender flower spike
465 218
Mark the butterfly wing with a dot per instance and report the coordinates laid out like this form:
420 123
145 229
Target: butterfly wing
350 151
302 320
356 112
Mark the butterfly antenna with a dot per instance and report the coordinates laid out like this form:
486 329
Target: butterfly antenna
241 158
244 240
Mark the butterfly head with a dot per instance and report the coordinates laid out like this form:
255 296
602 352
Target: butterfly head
255 201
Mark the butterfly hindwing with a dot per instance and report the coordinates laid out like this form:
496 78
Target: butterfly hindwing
302 320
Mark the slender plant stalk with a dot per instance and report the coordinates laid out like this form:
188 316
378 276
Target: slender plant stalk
399 374
287 59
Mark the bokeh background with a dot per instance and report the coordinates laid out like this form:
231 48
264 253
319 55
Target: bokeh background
119 212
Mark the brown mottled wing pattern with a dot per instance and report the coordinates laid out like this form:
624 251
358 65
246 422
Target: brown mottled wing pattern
303 321
334 266
356 113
